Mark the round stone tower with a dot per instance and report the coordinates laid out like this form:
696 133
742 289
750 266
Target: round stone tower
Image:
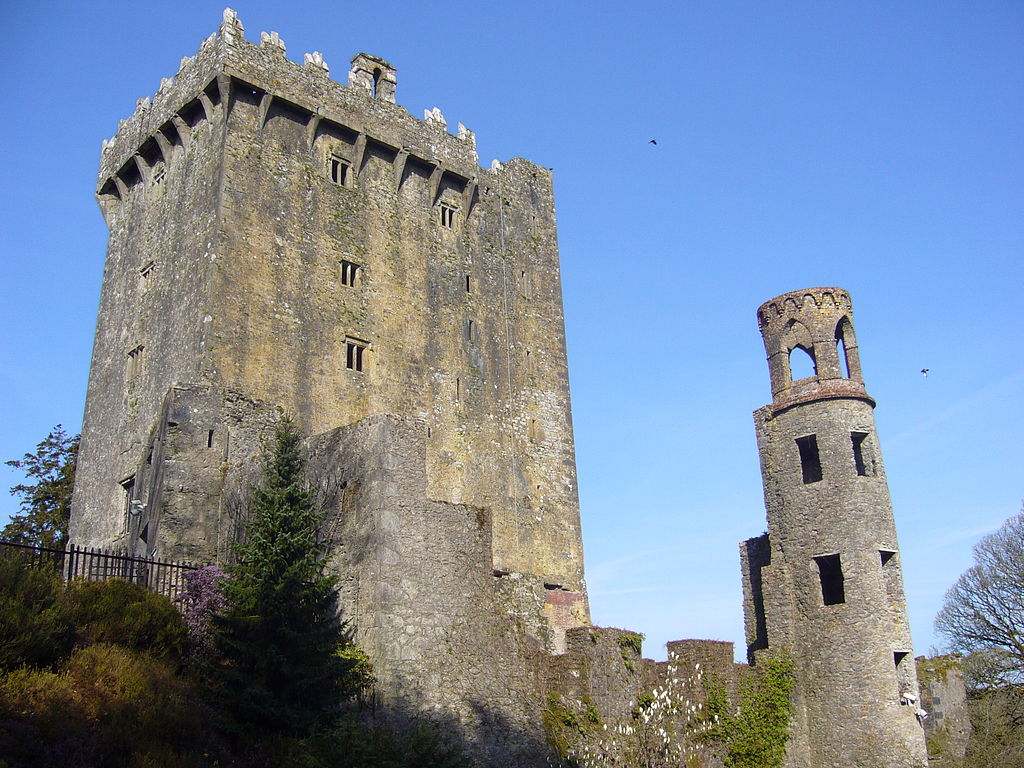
825 582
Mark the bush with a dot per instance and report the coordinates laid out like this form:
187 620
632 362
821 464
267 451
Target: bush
109 707
32 629
124 614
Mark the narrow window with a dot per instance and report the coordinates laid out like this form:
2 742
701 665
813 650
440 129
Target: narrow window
830 572
458 389
469 330
354 354
904 678
810 462
339 170
532 431
128 488
446 214
861 457
159 173
467 285
134 367
890 573
376 81
209 439
349 271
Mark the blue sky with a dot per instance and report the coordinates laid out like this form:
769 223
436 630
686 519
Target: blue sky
875 146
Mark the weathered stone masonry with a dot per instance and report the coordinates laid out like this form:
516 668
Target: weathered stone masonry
824 583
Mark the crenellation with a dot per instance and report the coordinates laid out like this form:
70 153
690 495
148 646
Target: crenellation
274 39
315 60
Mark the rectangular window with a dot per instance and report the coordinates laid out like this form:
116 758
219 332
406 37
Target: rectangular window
861 455
134 366
891 574
467 285
830 571
904 675
339 170
446 214
348 271
128 488
810 463
354 350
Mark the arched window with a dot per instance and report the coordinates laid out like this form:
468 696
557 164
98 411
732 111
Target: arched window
844 332
802 364
376 80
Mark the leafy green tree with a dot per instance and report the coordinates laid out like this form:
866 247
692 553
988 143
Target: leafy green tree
46 502
281 668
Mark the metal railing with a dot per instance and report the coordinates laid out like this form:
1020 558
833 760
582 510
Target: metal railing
164 577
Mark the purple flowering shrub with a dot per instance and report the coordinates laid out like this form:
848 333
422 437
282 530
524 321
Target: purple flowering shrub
201 599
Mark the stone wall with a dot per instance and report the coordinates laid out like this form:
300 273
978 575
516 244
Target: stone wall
947 726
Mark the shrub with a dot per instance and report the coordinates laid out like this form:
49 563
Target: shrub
202 600
110 707
32 631
124 614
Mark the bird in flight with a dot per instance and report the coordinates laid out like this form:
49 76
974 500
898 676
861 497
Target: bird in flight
924 372
653 141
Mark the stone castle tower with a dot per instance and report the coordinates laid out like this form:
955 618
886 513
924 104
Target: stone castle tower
284 243
825 582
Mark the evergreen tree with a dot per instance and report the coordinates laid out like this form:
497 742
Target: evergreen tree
281 667
46 503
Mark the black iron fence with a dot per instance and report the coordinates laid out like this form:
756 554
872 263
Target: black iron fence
164 577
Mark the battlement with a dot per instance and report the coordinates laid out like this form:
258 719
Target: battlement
227 67
814 325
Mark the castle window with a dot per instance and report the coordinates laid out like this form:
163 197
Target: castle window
830 572
348 272
810 461
339 170
147 272
159 174
458 389
128 496
209 438
861 455
469 330
354 350
904 674
467 285
802 364
890 573
446 215
134 367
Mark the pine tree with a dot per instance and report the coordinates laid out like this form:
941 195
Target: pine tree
281 667
46 504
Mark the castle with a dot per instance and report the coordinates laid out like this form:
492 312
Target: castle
283 243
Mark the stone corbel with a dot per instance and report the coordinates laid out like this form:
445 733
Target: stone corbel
358 154
183 130
435 183
264 108
400 160
311 126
